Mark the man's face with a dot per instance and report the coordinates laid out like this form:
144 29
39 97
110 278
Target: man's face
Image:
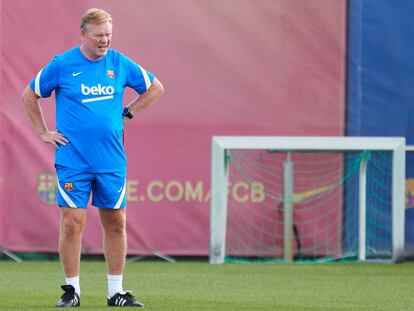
97 40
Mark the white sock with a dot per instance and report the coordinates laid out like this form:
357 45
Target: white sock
74 282
114 284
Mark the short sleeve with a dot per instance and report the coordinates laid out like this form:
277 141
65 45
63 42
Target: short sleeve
137 77
46 80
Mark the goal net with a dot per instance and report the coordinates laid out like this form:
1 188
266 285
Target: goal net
307 199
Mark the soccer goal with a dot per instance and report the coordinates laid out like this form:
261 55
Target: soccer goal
307 199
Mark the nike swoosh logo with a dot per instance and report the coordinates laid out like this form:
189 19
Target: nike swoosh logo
74 74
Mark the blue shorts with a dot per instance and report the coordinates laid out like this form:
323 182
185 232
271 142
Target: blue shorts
75 187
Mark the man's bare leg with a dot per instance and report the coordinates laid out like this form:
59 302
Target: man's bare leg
72 223
115 243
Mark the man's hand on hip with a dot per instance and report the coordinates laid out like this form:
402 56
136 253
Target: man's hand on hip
54 138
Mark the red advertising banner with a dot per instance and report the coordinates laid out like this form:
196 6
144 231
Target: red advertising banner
234 67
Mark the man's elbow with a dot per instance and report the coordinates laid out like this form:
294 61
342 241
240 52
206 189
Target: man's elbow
25 95
158 87
161 89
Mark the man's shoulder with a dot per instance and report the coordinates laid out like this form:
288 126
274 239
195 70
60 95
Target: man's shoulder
67 55
71 52
112 51
117 55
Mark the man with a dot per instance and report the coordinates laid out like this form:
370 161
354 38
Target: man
89 81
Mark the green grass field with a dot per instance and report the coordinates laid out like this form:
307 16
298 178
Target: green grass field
196 285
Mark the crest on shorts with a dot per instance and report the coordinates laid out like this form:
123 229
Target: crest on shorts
47 188
68 186
110 73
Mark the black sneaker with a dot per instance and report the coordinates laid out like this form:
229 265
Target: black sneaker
69 297
124 299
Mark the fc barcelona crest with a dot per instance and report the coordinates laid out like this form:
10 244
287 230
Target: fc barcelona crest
110 73
47 188
68 186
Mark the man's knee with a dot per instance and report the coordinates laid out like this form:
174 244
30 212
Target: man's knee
72 223
114 222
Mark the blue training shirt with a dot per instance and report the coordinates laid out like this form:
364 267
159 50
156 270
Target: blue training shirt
89 106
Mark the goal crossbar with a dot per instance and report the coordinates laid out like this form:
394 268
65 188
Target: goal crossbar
219 180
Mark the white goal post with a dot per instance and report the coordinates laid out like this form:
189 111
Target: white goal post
219 183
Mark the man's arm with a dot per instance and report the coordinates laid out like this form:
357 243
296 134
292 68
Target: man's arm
34 112
145 99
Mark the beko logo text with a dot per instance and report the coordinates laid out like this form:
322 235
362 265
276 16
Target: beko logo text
97 90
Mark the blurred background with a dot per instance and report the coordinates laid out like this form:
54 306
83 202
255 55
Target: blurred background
229 67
